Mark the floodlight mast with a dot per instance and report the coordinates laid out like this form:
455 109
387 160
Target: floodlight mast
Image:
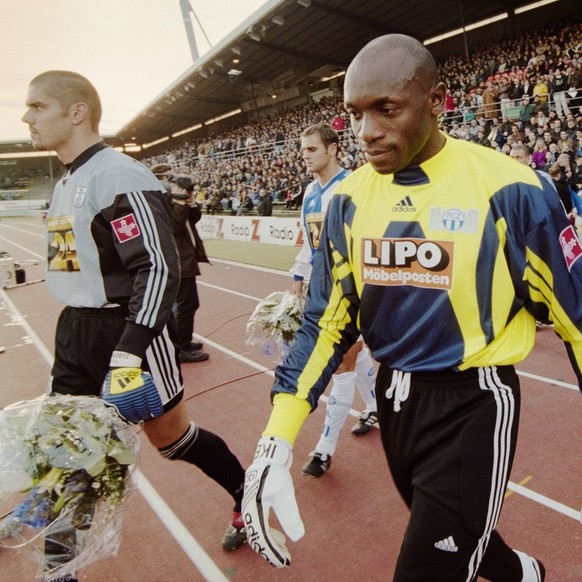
187 9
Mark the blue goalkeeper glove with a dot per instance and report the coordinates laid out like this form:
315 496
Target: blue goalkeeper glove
131 390
268 484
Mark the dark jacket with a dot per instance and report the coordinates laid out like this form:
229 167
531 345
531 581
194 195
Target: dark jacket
188 241
265 206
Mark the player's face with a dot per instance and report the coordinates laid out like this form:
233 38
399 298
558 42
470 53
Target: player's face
50 126
315 154
392 114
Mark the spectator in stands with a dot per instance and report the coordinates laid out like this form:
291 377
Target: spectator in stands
539 154
577 174
558 88
564 179
505 96
540 109
521 153
265 205
565 143
571 127
496 133
455 130
279 141
338 123
449 106
490 100
246 203
235 200
526 111
574 93
214 204
541 89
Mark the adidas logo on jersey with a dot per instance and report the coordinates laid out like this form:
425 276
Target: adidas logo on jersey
447 545
405 205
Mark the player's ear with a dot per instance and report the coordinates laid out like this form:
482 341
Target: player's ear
437 98
79 112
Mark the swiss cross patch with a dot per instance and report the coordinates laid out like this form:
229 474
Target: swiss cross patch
570 246
125 228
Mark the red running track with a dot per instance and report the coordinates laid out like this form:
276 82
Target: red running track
353 516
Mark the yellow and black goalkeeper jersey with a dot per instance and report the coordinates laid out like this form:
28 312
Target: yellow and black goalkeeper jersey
443 266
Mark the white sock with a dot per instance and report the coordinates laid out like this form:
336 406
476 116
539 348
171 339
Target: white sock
530 568
366 380
337 409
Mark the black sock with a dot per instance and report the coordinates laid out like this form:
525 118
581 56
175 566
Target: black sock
210 454
502 564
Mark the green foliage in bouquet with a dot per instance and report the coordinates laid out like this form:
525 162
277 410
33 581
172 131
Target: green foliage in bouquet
73 458
275 322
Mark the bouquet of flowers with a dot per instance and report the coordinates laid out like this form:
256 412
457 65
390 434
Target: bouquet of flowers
274 322
73 459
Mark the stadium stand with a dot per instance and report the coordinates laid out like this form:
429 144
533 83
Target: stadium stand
265 153
511 91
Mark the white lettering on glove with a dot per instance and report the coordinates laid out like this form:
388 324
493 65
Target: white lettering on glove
268 484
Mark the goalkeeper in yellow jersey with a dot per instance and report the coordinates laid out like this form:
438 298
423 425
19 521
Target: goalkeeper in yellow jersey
442 254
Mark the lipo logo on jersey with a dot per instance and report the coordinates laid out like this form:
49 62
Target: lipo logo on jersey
407 261
570 246
126 228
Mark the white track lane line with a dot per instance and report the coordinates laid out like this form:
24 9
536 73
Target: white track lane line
25 231
41 257
543 500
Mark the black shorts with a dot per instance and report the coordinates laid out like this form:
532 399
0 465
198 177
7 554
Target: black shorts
85 339
450 440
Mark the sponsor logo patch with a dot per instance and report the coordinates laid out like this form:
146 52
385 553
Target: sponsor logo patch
570 246
314 227
407 261
126 228
62 249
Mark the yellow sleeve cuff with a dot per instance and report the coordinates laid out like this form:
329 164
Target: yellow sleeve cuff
289 414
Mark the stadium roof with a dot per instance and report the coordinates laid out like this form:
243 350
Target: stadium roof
288 44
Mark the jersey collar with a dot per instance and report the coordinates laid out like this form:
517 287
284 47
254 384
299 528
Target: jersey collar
85 157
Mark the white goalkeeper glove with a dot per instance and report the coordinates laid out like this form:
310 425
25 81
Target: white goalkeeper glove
131 390
268 484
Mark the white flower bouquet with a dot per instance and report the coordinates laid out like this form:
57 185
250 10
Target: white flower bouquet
275 322
72 457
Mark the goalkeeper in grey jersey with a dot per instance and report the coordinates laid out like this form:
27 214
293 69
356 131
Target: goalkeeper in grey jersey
113 262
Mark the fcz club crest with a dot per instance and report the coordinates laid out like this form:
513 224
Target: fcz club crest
126 228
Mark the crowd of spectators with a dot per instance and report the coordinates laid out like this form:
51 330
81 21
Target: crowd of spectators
236 165
523 91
